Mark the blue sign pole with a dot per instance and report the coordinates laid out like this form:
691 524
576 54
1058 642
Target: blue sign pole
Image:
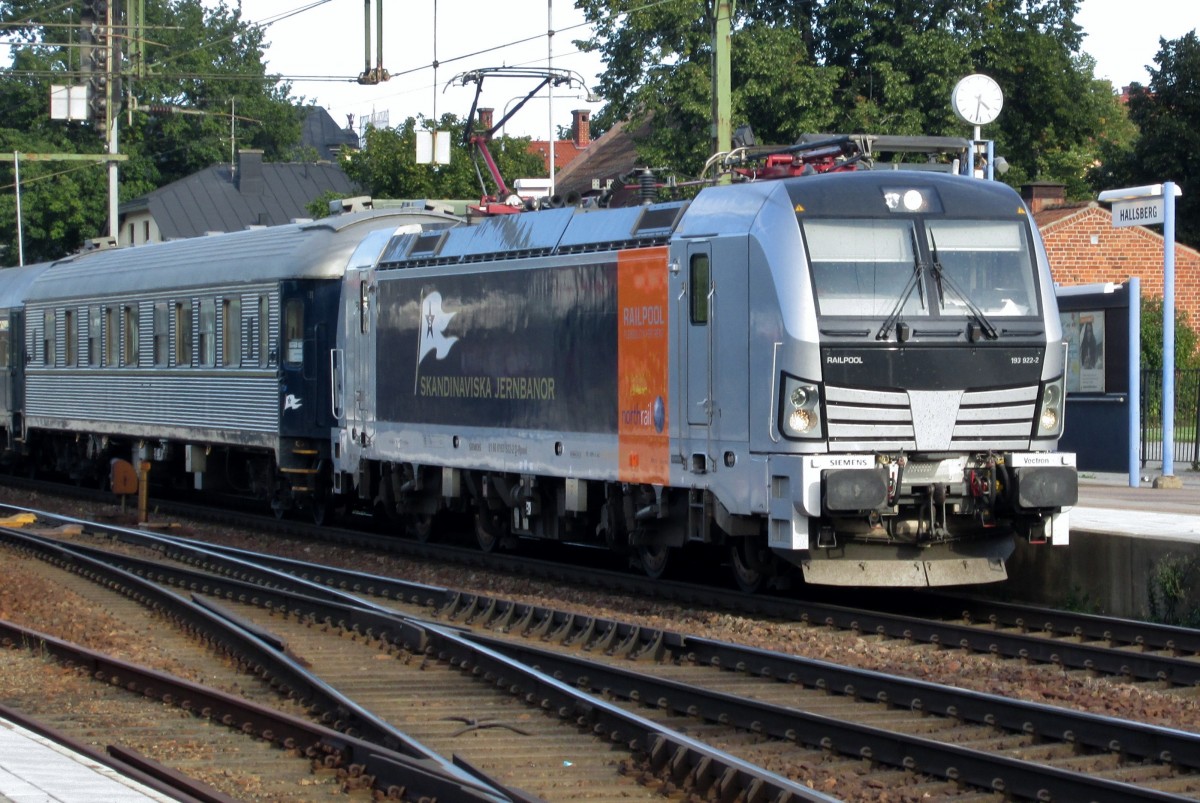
1168 401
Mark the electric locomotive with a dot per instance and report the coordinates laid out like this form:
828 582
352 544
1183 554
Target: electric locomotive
860 374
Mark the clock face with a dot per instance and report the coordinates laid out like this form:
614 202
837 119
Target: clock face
977 99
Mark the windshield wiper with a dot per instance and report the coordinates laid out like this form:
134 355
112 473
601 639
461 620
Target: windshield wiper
941 277
913 281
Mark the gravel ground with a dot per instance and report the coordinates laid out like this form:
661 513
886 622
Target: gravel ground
47 609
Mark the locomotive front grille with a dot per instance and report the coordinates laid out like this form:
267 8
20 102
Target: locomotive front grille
865 420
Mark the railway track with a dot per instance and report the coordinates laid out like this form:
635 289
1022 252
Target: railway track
1137 651
191 739
1012 749
567 752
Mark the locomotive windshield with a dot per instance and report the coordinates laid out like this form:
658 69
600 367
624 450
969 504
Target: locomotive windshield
866 268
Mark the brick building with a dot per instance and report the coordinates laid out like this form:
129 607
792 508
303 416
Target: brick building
565 150
1084 247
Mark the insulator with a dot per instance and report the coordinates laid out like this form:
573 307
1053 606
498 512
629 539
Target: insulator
647 186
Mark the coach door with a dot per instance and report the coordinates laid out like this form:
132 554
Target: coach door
8 367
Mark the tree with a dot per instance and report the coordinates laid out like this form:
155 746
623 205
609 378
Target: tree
199 60
1167 115
388 168
206 83
857 66
1187 342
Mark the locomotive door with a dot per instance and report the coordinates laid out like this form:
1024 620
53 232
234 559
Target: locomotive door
714 337
698 344
361 358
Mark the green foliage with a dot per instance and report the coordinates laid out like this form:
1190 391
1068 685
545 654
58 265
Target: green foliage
1187 341
387 166
860 66
1173 598
1167 114
318 207
202 61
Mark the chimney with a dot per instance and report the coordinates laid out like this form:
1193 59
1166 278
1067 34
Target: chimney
1043 195
581 127
249 177
485 119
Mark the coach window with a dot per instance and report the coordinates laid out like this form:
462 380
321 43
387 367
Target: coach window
162 333
5 343
231 332
130 321
263 322
95 324
112 337
208 332
698 278
183 334
70 338
293 324
48 338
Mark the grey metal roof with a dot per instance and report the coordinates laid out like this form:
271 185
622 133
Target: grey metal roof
15 282
257 194
311 250
325 136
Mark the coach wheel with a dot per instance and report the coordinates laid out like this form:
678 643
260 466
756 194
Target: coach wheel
654 560
319 510
747 565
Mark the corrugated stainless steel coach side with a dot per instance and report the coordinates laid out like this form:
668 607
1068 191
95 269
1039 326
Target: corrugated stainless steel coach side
208 356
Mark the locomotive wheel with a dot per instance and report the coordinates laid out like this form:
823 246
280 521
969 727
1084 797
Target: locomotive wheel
747 571
654 560
422 527
489 530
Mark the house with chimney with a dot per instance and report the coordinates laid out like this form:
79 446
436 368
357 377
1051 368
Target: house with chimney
566 151
1084 248
249 192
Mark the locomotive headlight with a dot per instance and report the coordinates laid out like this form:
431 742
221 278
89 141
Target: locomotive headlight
911 200
801 421
800 409
1050 417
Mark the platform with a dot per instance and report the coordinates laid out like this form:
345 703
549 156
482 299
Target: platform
1107 503
36 770
1131 551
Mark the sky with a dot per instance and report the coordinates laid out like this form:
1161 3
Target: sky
328 40
1123 36
314 41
